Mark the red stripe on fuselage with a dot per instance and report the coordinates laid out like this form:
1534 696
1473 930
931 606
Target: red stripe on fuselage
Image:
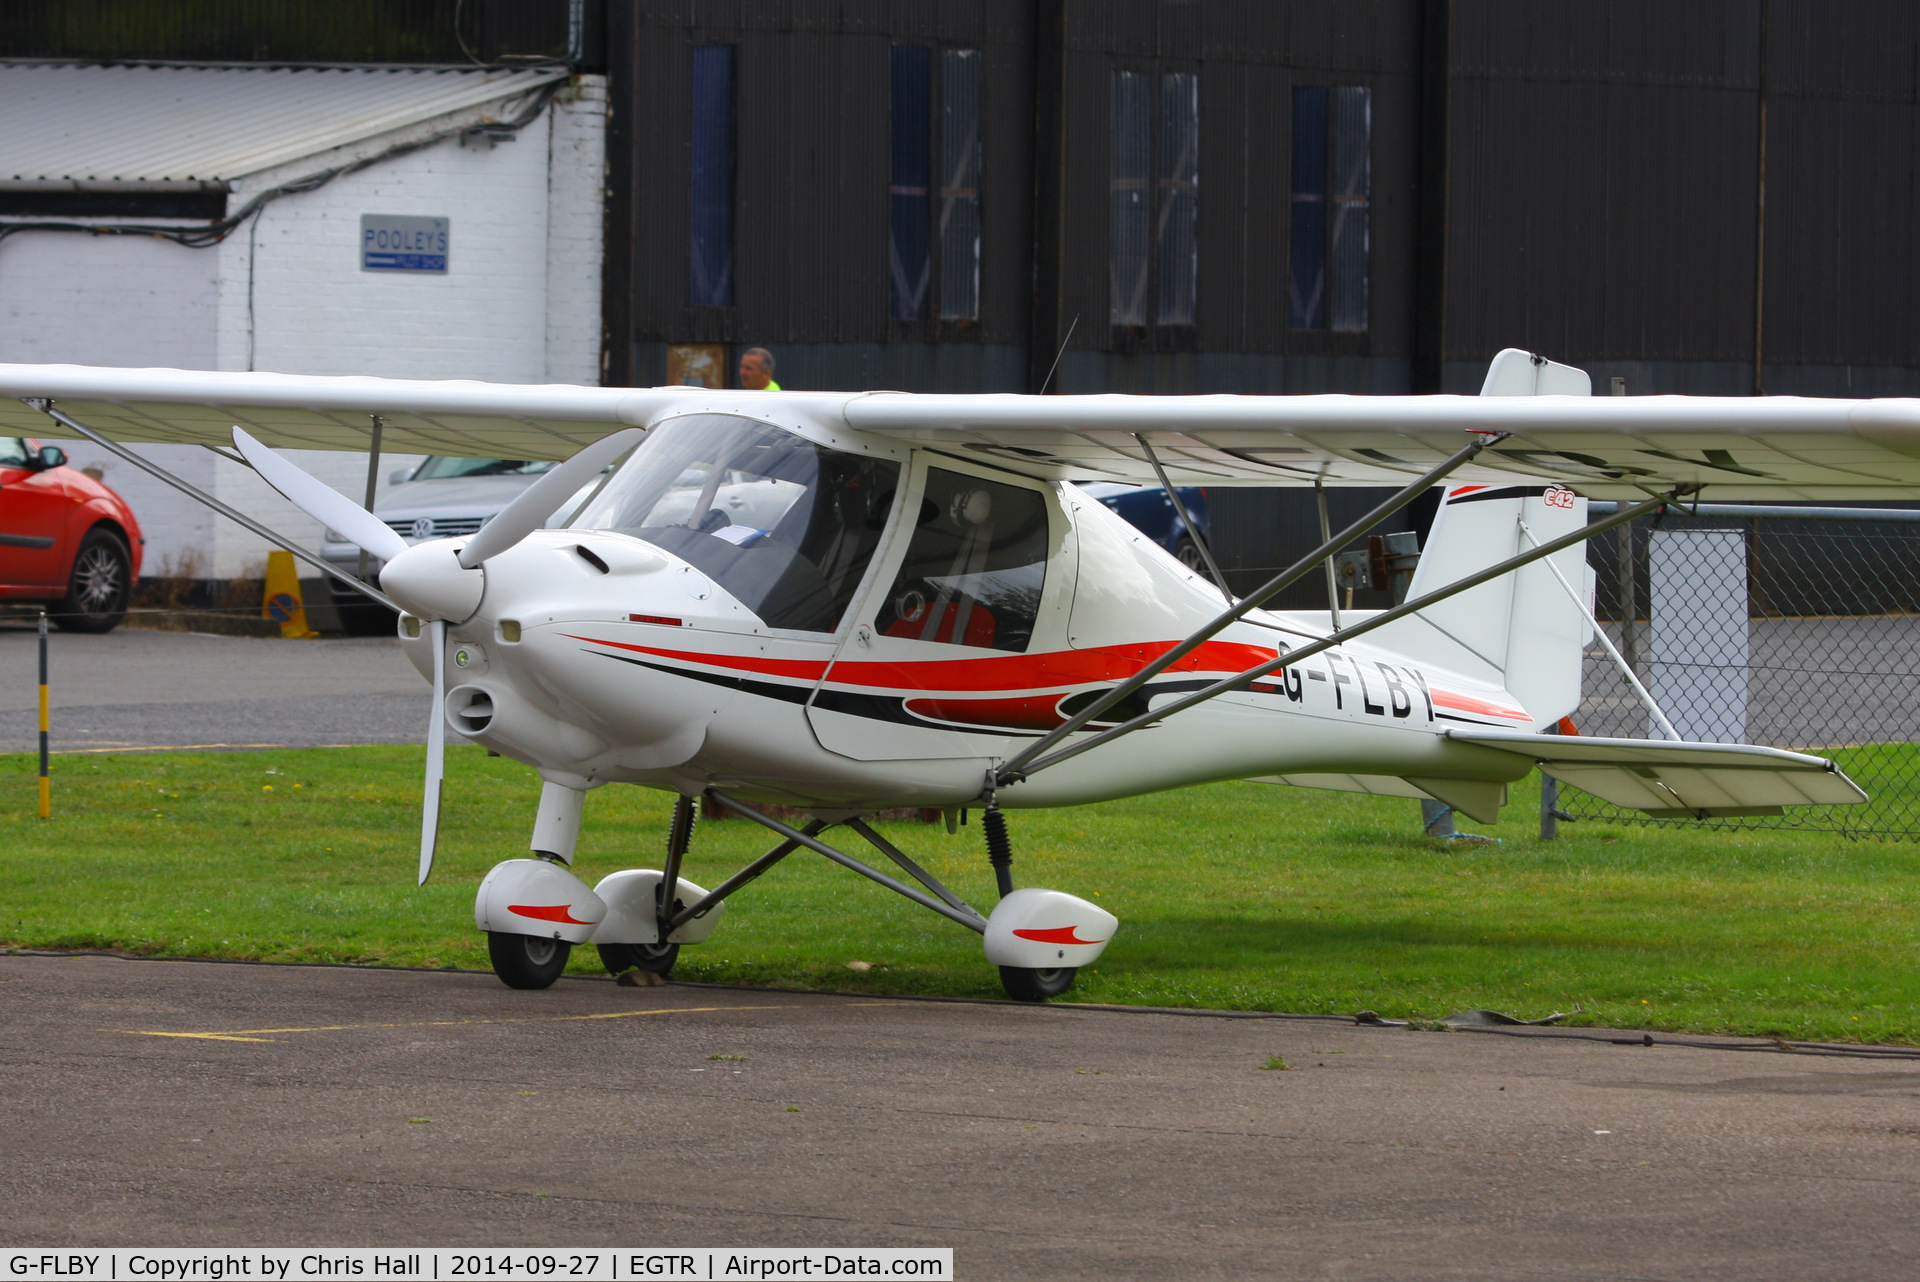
1467 703
1003 672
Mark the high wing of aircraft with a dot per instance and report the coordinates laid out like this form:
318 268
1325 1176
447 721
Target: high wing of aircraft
845 602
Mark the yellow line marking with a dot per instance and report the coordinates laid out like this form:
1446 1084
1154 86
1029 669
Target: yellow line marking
212 1037
256 1034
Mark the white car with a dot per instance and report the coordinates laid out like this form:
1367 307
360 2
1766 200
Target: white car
442 498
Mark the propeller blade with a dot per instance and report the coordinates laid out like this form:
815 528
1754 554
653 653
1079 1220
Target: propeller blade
321 502
436 751
531 508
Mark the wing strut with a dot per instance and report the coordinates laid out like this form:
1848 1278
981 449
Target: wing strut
1016 769
1289 658
1193 531
373 478
969 918
160 473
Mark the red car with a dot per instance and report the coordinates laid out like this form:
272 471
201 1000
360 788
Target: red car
65 539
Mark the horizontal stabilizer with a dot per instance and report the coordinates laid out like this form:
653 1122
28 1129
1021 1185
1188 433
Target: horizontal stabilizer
1679 780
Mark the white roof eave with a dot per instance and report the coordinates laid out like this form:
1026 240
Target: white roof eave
202 128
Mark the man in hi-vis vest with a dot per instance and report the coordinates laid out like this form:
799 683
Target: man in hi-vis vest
756 370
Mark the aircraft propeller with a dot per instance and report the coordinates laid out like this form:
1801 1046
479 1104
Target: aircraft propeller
435 587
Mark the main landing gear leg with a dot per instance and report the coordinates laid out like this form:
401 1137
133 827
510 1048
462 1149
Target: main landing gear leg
1023 983
659 957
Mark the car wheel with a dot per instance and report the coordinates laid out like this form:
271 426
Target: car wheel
98 586
1188 554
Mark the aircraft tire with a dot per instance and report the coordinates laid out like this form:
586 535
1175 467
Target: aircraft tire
620 958
527 961
1027 984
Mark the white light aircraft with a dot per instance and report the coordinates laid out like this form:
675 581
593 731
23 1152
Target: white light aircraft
845 602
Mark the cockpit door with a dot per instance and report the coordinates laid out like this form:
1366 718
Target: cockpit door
949 644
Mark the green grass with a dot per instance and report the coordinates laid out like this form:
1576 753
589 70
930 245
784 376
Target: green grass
1239 895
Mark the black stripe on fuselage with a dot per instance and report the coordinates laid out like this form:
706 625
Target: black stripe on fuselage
765 689
1505 492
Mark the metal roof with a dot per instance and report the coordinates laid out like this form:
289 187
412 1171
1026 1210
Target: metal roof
93 128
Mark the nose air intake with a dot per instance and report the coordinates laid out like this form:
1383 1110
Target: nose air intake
471 709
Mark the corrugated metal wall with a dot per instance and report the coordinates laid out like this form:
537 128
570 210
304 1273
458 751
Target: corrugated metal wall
1249 55
1841 212
413 32
1602 192
1605 205
811 169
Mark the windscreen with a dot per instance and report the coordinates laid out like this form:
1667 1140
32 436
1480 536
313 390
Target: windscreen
785 526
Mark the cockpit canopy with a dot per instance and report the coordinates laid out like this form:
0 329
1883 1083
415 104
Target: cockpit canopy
786 526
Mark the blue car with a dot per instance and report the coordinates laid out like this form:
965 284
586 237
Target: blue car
1148 509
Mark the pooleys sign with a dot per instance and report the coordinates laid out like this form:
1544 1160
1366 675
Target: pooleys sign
396 243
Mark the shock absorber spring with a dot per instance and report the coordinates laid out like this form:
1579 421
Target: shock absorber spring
999 848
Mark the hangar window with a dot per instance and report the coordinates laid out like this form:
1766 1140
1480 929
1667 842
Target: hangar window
933 189
975 568
1332 174
711 277
1153 218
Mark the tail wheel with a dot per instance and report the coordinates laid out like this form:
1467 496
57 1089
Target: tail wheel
1027 984
620 958
98 587
527 961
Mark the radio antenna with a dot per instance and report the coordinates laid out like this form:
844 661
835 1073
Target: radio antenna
1057 355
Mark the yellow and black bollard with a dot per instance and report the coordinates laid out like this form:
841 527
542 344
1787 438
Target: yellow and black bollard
46 797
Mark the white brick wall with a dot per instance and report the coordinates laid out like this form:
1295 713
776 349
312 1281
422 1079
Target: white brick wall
520 303
576 231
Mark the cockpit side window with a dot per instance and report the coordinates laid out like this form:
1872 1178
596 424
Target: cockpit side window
975 568
785 526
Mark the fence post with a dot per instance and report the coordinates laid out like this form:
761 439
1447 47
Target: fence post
1549 801
46 797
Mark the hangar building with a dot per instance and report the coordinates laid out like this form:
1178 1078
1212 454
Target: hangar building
406 222
1169 195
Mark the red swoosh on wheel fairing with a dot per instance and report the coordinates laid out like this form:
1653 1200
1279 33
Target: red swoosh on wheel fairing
562 913
1058 935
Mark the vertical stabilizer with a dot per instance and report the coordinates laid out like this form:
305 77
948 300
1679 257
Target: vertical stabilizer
1523 631
1517 373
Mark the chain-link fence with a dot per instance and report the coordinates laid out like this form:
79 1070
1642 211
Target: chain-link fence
1788 632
